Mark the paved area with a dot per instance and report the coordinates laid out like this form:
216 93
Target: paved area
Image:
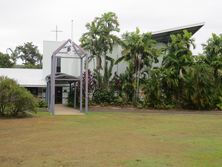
61 109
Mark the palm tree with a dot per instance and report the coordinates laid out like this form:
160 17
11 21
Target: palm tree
14 54
169 83
140 51
127 83
152 87
178 53
90 42
213 52
178 56
199 90
99 41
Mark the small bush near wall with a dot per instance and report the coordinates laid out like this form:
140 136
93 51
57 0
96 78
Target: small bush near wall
41 103
15 101
103 96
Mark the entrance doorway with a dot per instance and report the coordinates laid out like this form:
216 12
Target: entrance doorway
58 95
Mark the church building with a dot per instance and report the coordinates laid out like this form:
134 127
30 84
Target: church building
35 80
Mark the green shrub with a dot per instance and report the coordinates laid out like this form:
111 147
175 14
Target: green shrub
199 89
154 96
15 100
71 98
103 96
119 101
42 103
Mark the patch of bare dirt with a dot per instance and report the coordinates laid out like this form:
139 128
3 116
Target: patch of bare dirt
109 108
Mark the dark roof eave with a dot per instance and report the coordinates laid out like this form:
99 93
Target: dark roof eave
164 36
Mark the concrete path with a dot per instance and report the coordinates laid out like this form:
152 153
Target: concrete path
61 109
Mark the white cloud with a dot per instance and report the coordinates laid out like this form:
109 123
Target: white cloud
32 20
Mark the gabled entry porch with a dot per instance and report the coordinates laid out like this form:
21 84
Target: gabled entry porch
68 50
64 84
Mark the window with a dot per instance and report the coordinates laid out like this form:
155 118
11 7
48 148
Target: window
58 68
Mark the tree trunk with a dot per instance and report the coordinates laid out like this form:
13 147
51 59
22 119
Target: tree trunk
105 76
98 63
138 80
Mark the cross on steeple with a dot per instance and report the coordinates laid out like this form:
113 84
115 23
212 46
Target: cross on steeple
56 31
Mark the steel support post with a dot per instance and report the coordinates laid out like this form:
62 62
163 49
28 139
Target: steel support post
47 94
74 94
52 93
81 85
86 85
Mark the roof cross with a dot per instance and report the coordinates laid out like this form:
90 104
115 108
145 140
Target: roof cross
56 31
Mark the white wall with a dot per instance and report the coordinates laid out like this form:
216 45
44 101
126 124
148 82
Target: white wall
72 66
68 66
116 53
48 48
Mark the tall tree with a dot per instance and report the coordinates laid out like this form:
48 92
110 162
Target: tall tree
90 41
178 56
13 55
140 51
178 52
5 61
152 88
100 39
213 52
30 55
199 88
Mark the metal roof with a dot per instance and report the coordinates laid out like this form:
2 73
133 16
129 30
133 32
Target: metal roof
62 78
25 77
164 35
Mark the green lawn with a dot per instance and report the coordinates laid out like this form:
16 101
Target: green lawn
112 139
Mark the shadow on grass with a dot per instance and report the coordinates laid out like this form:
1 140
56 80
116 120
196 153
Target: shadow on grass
26 115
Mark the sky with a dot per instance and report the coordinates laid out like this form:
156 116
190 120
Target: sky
33 20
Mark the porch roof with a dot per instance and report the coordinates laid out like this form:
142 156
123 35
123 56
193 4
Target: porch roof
63 78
